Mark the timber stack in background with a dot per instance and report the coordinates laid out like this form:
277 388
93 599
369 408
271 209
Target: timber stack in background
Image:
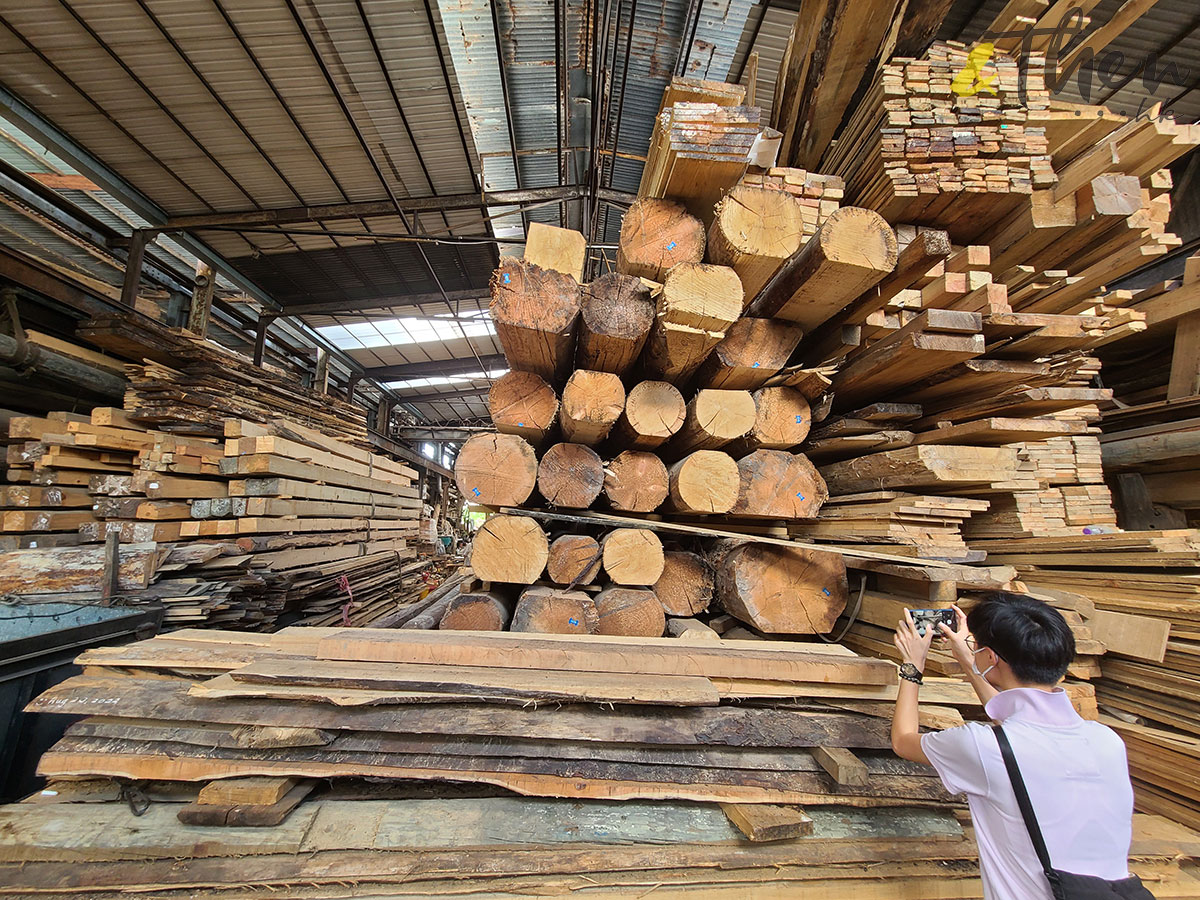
281 513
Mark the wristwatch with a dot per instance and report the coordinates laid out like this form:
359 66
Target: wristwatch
909 672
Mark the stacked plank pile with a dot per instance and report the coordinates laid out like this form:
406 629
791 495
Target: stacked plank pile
918 152
189 385
280 520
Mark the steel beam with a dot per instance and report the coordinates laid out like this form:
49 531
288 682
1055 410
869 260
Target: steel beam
375 208
338 307
439 367
441 432
454 394
407 454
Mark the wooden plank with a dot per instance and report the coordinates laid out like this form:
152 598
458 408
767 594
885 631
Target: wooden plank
842 765
257 791
761 822
1139 637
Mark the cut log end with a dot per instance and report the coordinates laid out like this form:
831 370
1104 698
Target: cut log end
686 585
496 470
775 484
703 483
546 610
617 315
479 611
657 234
630 612
632 556
573 558
521 403
654 411
781 590
635 481
509 549
570 475
591 404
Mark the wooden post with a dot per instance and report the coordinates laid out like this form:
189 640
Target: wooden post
496 470
547 610
133 265
321 378
202 297
714 418
697 303
511 549
685 587
781 590
751 352
654 411
632 556
521 403
635 481
383 415
616 319
775 484
702 483
570 475
754 231
591 404
852 251
656 235
631 612
534 311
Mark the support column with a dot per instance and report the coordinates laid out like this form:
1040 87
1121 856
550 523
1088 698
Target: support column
133 264
260 336
202 297
321 378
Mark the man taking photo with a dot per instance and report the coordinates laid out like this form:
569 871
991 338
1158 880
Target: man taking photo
1015 650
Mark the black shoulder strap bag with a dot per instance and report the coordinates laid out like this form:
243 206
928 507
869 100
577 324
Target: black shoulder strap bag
1064 885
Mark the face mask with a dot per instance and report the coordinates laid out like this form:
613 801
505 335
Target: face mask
975 665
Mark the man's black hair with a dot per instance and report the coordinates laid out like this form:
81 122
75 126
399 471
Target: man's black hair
1031 636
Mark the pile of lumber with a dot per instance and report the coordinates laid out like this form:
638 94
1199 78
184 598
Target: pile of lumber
280 520
917 151
189 385
638 770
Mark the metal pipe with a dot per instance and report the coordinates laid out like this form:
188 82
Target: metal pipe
28 357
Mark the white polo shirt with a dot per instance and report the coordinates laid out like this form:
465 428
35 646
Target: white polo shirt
1078 781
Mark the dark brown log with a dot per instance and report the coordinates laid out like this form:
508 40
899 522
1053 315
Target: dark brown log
656 235
632 556
654 411
511 549
631 612
852 251
635 481
521 403
754 230
751 352
686 585
782 419
591 404
775 484
495 470
534 311
478 611
702 483
714 419
573 556
570 475
780 590
616 319
547 610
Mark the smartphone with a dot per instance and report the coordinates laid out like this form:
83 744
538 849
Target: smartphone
929 618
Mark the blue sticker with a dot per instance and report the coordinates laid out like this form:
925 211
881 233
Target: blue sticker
475 491
507 278
520 424
671 246
755 366
573 621
800 495
799 419
825 591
